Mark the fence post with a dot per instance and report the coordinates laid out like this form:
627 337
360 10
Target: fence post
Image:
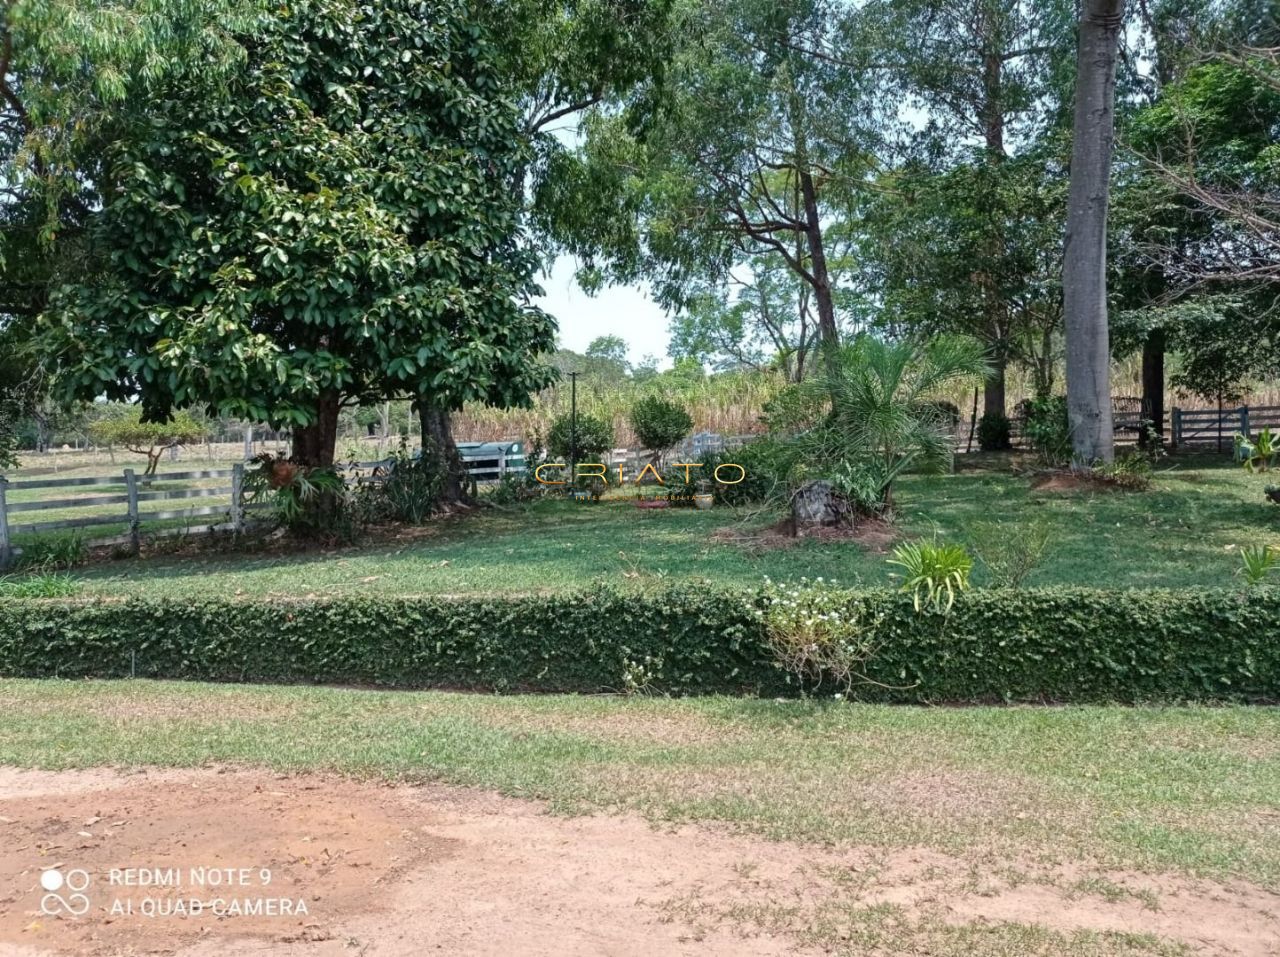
6 547
1175 424
131 482
502 464
237 498
1244 421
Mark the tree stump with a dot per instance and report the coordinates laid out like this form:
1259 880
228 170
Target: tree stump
816 503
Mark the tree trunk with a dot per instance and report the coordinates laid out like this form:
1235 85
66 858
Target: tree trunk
829 333
994 306
437 434
993 390
1153 386
1084 276
314 444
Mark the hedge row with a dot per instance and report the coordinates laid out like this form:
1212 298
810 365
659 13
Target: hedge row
1036 645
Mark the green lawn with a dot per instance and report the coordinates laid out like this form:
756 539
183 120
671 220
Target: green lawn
1185 531
1189 790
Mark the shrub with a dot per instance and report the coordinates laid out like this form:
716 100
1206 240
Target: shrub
863 485
409 489
933 572
595 437
52 552
1059 644
994 432
1257 562
815 635
1132 470
659 423
41 585
1048 429
1258 454
768 464
1009 552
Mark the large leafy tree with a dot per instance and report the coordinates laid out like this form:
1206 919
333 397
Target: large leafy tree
987 76
70 72
339 228
1199 230
763 320
928 251
766 128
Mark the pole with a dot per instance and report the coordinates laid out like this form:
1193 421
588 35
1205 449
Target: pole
131 483
6 547
573 427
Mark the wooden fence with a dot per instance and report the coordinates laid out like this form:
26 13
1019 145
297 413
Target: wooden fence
1192 427
139 489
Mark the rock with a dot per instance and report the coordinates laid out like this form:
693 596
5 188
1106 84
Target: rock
817 503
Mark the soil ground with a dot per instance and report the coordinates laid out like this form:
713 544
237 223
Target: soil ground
408 870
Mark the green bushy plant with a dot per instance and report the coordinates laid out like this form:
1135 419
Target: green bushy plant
1257 454
53 552
39 585
659 423
1131 470
1037 644
1009 552
933 572
1048 429
594 437
310 500
817 634
409 488
768 464
995 434
862 484
1257 562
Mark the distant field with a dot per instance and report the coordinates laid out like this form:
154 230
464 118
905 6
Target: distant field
1185 532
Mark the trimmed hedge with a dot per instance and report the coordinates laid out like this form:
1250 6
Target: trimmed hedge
1037 645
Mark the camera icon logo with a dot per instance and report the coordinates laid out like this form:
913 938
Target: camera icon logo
64 892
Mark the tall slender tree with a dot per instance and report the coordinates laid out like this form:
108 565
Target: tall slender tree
1084 274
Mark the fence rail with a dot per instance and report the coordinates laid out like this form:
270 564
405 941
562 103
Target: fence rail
1219 426
138 489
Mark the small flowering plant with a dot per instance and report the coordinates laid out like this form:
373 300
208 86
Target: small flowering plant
819 632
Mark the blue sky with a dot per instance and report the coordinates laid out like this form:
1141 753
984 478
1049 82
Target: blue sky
624 311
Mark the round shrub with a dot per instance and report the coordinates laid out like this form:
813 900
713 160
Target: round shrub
659 423
994 432
595 437
1047 428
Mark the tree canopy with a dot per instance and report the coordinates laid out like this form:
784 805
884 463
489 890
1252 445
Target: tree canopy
338 227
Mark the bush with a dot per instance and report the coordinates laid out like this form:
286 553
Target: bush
994 432
52 552
1048 429
409 488
659 423
595 437
768 464
1132 471
1010 552
40 585
1061 644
